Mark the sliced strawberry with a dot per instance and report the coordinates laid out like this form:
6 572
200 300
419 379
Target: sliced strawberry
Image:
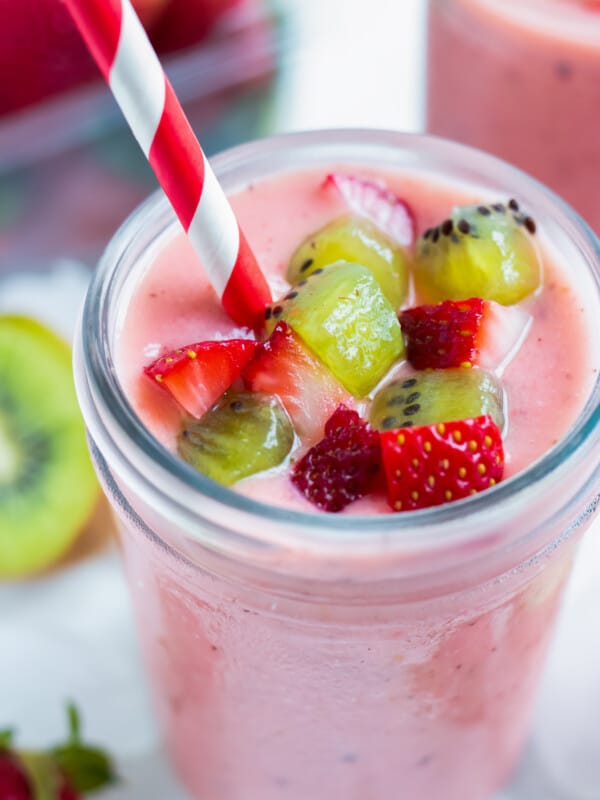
384 208
284 366
434 464
197 375
343 466
443 335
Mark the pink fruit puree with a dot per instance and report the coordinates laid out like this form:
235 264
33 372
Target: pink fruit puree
284 695
522 80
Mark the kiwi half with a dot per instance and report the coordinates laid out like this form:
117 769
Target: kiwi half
48 488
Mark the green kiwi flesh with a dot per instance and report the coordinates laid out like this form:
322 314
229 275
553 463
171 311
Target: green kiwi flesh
48 488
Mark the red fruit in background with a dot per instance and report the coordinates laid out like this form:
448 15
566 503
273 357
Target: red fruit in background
13 783
198 374
343 466
284 366
189 21
67 792
443 335
385 209
434 464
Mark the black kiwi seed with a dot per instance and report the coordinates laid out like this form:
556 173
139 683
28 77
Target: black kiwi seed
317 271
308 263
463 226
435 235
387 423
413 396
237 405
428 233
413 409
291 295
484 211
530 225
499 207
277 311
268 312
408 383
447 226
513 205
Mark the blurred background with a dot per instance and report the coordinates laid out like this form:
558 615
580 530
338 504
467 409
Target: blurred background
70 173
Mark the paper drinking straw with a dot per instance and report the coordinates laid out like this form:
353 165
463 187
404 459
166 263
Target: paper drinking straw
120 46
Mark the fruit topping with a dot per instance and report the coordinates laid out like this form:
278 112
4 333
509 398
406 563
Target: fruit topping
480 251
433 464
342 314
343 466
443 335
424 398
285 367
350 238
198 374
242 434
390 213
48 489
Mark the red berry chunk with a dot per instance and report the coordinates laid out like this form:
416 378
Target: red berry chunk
67 792
443 335
385 209
197 375
307 389
13 782
342 467
434 464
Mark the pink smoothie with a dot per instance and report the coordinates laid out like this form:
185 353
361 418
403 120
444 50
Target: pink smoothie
522 81
266 696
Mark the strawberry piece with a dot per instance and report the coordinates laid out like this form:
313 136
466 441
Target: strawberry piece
433 464
307 389
13 781
380 205
197 375
343 466
443 335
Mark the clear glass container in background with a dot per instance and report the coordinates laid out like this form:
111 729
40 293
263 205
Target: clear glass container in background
438 621
521 79
70 170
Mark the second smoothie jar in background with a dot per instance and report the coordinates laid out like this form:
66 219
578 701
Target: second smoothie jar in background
299 655
521 79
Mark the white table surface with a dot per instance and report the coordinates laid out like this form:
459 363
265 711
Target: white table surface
71 634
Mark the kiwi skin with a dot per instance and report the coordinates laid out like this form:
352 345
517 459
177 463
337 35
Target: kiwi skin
48 488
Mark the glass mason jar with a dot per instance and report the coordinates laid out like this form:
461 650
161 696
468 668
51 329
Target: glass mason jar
318 656
522 81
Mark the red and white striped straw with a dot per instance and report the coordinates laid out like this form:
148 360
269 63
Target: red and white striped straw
118 42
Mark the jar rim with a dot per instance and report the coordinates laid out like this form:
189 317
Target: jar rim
113 423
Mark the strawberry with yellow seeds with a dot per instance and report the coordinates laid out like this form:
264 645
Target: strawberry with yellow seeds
198 374
434 464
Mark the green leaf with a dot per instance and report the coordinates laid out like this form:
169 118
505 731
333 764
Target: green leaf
6 739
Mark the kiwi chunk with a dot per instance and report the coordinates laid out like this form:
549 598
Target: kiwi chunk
480 251
439 395
352 238
48 488
242 434
344 317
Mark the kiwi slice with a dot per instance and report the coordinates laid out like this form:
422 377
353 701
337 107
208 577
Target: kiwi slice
344 317
242 434
439 395
48 488
352 238
479 251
